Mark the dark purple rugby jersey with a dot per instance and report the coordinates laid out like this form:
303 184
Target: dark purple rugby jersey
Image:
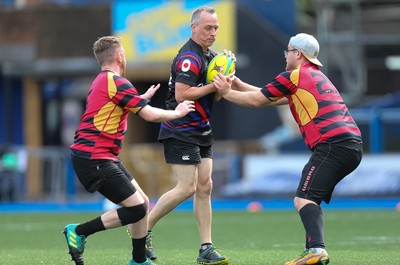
190 67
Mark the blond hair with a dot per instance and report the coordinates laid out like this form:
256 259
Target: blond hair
104 49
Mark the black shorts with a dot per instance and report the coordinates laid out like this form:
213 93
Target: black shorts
180 152
328 165
108 177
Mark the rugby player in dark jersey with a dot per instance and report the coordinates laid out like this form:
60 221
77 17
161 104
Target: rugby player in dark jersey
188 141
325 123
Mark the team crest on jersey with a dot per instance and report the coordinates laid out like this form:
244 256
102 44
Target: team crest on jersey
186 65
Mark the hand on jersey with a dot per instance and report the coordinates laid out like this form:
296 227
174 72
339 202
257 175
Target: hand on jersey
185 107
151 91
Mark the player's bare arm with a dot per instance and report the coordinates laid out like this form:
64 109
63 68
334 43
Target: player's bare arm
187 92
239 85
280 102
248 95
254 99
153 114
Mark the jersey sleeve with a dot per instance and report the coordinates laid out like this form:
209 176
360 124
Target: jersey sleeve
188 68
280 87
125 95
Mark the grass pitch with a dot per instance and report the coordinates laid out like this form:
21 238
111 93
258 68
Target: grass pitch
268 237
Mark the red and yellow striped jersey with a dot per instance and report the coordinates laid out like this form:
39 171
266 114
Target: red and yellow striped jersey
316 105
100 133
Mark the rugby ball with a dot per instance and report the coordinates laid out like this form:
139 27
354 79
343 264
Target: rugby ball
220 60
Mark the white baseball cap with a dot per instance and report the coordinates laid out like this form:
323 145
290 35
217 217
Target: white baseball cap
308 45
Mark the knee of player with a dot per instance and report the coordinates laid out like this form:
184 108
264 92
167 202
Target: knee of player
204 187
133 214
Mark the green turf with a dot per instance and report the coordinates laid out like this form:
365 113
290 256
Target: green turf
269 237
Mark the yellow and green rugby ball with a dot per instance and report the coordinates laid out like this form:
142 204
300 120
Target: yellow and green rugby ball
220 60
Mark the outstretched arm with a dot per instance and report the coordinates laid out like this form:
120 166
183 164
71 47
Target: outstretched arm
153 114
239 85
249 96
254 99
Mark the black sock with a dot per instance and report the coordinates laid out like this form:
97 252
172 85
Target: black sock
91 227
313 222
138 249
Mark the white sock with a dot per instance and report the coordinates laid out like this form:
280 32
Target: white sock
317 250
